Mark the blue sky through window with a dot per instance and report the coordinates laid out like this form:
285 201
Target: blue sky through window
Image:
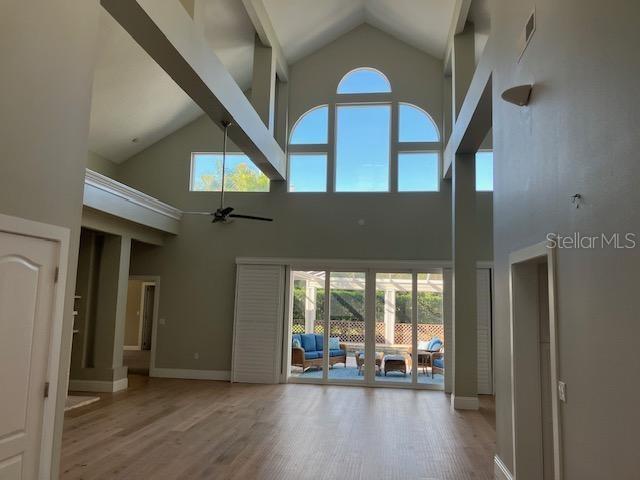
313 127
308 172
484 171
415 125
364 80
362 148
241 173
418 172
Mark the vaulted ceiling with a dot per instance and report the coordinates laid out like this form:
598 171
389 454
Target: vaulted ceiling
135 103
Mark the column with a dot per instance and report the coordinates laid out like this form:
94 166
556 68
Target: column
389 315
105 314
463 195
309 307
463 65
263 87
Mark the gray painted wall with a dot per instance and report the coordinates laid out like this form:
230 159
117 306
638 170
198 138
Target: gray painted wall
47 54
197 267
579 135
102 165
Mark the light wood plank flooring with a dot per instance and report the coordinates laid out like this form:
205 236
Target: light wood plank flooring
190 429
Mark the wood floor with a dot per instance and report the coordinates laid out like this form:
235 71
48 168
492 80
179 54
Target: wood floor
190 429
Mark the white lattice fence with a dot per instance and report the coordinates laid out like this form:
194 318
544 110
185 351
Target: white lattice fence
353 331
426 331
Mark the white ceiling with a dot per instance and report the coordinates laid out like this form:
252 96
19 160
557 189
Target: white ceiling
303 26
133 98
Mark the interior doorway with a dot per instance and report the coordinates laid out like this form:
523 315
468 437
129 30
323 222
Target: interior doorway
138 334
534 370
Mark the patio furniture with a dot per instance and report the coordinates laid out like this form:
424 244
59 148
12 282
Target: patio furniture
395 363
426 350
360 361
424 360
310 352
437 363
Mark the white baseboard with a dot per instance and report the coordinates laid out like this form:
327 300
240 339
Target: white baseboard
464 403
131 347
224 375
500 470
98 385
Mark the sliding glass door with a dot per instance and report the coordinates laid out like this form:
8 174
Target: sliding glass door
347 326
367 327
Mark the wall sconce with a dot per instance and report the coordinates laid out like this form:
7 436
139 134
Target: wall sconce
519 95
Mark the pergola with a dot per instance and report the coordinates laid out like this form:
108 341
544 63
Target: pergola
390 283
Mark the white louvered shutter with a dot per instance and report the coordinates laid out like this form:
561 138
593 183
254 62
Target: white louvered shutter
257 332
485 377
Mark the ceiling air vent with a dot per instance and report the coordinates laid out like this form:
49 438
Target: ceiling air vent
527 33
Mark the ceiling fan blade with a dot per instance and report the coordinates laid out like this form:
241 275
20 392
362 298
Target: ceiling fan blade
197 213
251 217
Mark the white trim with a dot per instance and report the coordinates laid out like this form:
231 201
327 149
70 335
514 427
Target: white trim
500 470
131 347
223 375
541 250
155 279
129 194
346 264
464 403
60 235
102 386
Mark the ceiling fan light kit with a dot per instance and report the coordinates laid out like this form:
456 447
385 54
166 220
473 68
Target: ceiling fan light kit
224 214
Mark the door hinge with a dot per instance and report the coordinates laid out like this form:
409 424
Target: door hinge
46 389
56 275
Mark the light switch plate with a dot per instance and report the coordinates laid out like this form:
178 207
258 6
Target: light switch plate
562 391
162 321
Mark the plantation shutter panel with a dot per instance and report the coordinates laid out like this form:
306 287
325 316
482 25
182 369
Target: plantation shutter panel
485 377
447 281
257 332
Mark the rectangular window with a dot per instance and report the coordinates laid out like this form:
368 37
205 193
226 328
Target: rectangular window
241 174
308 172
363 148
418 172
484 171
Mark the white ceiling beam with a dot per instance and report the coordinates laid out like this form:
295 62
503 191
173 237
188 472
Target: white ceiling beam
168 34
264 28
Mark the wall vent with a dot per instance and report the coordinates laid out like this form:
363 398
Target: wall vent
527 33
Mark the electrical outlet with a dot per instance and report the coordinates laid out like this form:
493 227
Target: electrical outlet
562 391
196 356
163 321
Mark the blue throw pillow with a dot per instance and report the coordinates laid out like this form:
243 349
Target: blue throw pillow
308 341
295 343
334 343
434 344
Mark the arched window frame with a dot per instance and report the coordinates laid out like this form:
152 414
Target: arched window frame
360 69
394 99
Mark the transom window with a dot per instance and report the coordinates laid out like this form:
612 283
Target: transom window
365 152
241 174
364 80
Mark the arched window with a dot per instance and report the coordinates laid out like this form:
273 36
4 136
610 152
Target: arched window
416 125
364 80
312 127
376 143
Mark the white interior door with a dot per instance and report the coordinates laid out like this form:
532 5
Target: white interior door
27 278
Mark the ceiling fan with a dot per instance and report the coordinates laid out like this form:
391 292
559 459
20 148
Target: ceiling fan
225 214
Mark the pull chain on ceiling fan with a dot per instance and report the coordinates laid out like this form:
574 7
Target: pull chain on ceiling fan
222 214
